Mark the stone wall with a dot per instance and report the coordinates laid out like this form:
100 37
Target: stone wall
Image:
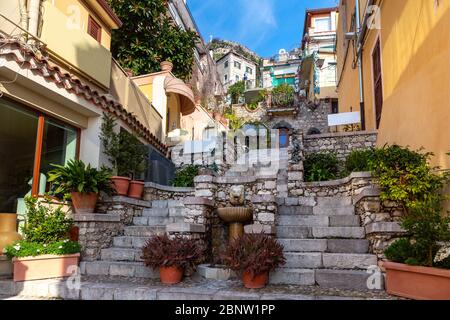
341 143
153 191
381 220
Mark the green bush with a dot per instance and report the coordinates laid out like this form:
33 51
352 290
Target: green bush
400 251
321 167
184 177
359 160
283 95
45 224
31 249
75 176
405 176
236 91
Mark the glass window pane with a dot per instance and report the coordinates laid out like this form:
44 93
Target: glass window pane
59 145
18 131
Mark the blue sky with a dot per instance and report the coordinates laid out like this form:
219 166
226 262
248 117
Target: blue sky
265 26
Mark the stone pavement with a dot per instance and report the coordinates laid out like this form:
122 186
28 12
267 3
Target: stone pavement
122 288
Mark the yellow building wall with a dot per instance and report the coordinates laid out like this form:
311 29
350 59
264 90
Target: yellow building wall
416 76
147 89
174 111
79 14
75 46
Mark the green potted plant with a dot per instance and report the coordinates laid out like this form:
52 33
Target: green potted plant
82 182
418 264
173 256
46 251
253 256
127 155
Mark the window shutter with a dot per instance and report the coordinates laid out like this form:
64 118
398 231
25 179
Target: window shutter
94 29
378 82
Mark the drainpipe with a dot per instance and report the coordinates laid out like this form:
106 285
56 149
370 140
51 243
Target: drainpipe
33 13
360 68
23 17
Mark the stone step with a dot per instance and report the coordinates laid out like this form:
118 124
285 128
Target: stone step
117 268
144 231
334 211
338 232
129 242
155 212
303 260
303 245
160 203
301 277
121 254
349 279
293 232
347 245
334 201
303 220
153 221
345 221
295 210
348 260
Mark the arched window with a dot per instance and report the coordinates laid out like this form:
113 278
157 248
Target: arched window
283 137
313 131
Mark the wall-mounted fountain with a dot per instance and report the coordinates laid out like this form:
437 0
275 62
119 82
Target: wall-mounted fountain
237 215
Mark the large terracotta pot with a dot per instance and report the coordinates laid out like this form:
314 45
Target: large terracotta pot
170 275
8 230
45 266
84 202
121 185
422 283
257 282
136 189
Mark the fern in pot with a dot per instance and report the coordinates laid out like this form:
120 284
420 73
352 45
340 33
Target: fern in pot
82 182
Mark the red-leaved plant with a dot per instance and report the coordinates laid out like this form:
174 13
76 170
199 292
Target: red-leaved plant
254 253
164 251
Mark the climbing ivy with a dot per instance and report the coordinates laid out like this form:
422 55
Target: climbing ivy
148 36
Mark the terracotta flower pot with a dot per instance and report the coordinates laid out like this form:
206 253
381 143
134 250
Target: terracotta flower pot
170 275
44 267
257 282
136 189
84 202
8 230
121 185
422 283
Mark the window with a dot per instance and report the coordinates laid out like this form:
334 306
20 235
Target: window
283 138
322 24
249 70
226 78
225 65
237 65
377 82
94 29
237 78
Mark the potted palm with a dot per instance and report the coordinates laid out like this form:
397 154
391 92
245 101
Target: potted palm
46 251
82 182
173 257
253 256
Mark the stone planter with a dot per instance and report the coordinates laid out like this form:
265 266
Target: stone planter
44 266
421 283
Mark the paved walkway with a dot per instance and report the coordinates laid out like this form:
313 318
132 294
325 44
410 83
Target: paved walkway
120 288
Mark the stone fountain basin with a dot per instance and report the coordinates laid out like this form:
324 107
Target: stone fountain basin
235 214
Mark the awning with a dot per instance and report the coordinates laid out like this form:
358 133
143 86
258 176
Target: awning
177 86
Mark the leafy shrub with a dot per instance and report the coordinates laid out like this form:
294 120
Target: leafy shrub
426 227
184 177
253 106
162 251
46 231
359 160
405 176
254 253
75 176
283 95
321 167
45 224
236 91
24 248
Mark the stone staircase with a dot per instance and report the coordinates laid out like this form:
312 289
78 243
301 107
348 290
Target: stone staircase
124 257
323 242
